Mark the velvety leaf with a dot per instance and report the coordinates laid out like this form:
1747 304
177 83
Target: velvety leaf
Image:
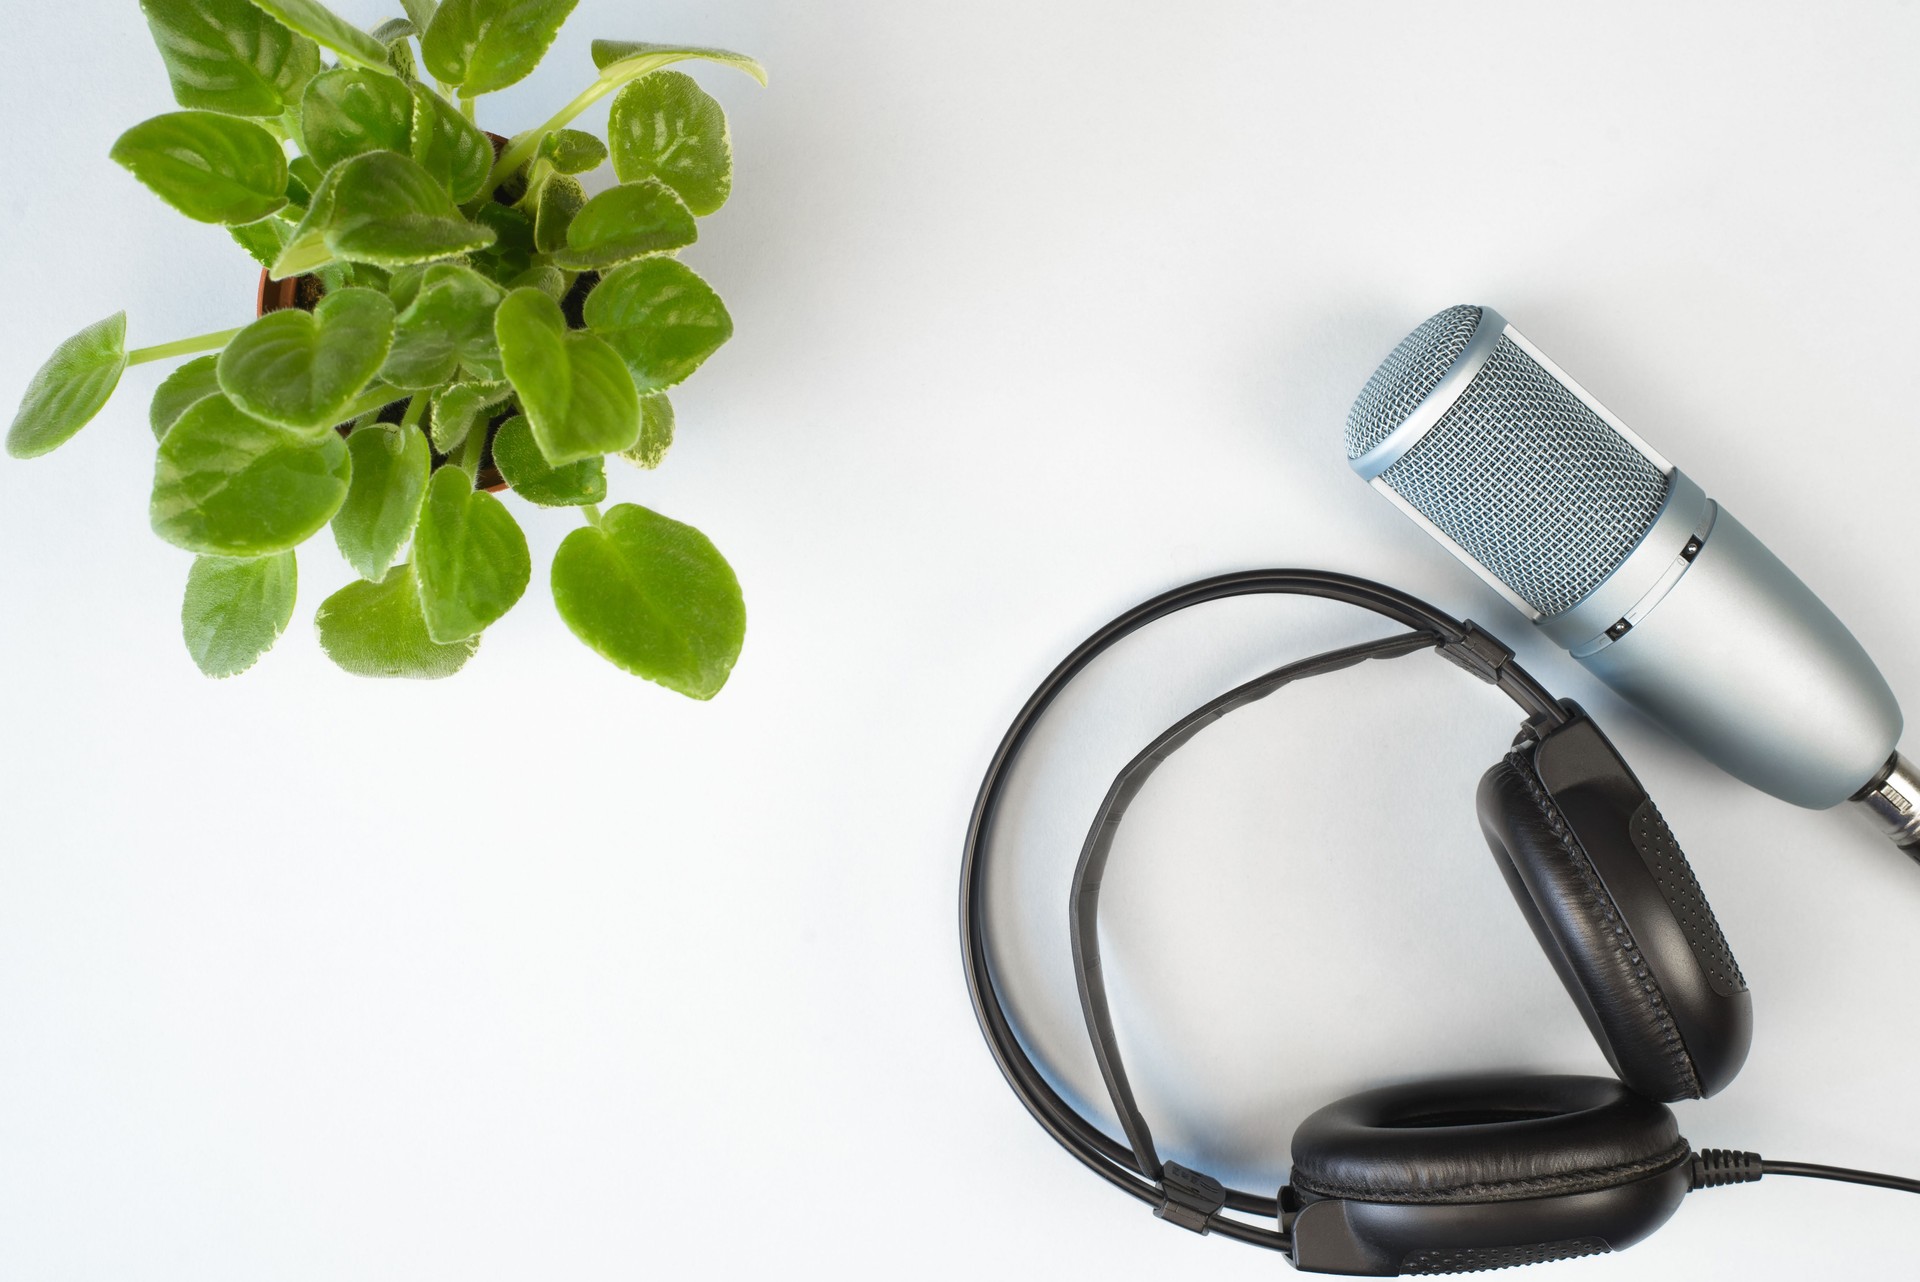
550 281
348 111
656 432
534 479
309 174
227 484
70 388
484 45
264 241
458 409
470 557
560 202
377 630
389 211
304 369
572 151
653 596
572 386
662 319
449 146
420 12
234 610
318 23
626 222
390 466
181 390
630 59
212 168
448 327
666 126
226 55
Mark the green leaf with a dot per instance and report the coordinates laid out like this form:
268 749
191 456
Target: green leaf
317 22
470 556
572 386
235 610
560 202
181 390
653 596
377 630
449 146
626 222
621 60
448 327
265 240
531 477
484 45
227 484
70 388
662 319
303 370
420 12
572 151
226 55
550 281
212 168
656 432
390 466
348 112
388 211
666 126
458 409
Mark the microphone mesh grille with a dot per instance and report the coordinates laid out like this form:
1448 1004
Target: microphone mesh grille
1404 378
1531 482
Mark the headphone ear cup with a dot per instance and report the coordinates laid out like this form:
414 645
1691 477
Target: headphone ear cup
1482 1172
1615 907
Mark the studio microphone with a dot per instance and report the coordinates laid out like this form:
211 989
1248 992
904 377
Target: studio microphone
1624 561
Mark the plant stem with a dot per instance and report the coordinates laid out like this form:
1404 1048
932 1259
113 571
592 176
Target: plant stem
466 107
182 347
475 447
592 512
416 410
522 147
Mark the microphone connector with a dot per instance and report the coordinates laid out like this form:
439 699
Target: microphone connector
1892 802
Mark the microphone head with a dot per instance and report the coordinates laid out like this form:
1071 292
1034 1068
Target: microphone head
1502 457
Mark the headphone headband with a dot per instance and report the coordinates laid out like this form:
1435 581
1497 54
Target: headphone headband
1135 1168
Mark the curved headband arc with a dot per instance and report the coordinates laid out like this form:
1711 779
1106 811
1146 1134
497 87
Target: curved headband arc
1138 1173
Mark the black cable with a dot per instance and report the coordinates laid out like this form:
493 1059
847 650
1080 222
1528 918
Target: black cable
1717 1167
1114 1162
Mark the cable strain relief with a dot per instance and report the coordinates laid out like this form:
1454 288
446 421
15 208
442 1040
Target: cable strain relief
1713 1167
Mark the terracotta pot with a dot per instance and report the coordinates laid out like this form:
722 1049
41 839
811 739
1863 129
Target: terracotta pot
305 293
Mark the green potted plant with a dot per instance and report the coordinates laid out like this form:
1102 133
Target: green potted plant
443 313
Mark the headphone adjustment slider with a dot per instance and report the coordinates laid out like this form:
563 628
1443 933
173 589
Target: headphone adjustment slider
1189 1198
1482 655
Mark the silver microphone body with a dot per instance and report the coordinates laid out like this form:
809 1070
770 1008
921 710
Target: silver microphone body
1626 563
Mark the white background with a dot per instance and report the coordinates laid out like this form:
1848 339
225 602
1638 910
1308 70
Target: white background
543 972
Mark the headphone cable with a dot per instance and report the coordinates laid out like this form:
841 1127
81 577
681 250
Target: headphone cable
1715 1167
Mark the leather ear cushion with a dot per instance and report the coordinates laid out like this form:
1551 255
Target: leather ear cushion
1489 1138
1585 935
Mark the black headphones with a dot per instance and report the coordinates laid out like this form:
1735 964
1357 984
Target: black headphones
1470 1173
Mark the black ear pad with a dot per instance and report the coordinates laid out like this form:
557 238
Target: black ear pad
1618 912
1488 1138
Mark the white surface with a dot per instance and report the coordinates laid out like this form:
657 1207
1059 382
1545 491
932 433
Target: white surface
544 972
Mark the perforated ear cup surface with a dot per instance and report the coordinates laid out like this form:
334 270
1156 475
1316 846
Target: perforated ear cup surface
1632 941
1489 1138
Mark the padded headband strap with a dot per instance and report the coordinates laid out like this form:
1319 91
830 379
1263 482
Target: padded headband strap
1462 643
1091 871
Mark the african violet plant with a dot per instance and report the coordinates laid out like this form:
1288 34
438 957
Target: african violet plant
466 315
